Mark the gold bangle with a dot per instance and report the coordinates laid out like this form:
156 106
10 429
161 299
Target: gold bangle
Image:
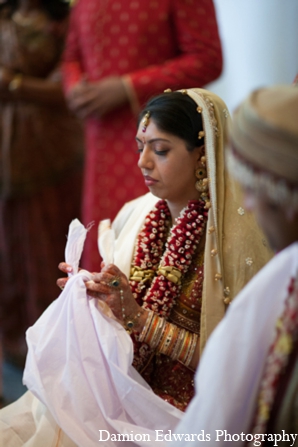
191 349
164 347
183 354
177 347
151 330
163 337
173 342
15 83
158 333
146 326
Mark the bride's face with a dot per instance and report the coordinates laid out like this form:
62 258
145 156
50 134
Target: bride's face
167 166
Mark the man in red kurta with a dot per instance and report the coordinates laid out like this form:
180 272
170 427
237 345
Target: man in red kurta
118 54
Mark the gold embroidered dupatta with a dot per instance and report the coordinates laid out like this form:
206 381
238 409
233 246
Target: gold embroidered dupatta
236 248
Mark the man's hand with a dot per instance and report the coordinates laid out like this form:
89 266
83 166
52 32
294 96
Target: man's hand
97 98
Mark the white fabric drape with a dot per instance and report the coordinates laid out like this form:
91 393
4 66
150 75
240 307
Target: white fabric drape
230 370
66 347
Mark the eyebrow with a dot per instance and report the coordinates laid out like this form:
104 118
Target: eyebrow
153 140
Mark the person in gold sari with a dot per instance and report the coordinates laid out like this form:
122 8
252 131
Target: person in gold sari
182 252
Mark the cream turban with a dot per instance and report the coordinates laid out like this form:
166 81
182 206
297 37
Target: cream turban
264 143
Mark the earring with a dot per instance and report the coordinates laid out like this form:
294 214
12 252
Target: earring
201 184
200 173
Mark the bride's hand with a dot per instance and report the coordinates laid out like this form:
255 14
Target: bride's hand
112 287
66 268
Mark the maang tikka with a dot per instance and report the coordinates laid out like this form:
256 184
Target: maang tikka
145 121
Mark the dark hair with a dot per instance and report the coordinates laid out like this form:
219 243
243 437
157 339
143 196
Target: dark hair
176 113
57 9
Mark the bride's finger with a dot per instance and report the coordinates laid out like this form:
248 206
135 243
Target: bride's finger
111 279
111 269
64 267
61 282
97 287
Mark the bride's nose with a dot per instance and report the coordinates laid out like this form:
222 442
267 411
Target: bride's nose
145 159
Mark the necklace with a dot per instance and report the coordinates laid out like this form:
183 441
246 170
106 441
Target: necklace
160 263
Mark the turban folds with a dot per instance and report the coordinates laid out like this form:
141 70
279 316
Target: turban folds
264 142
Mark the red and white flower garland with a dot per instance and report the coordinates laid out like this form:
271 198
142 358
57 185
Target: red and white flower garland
154 251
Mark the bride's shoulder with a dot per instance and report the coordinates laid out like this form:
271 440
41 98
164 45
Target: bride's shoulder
139 206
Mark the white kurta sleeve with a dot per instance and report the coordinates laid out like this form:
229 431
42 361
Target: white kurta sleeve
229 374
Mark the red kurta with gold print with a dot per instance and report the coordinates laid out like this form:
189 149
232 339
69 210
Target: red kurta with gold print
158 44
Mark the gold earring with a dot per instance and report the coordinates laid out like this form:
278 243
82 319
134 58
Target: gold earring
201 184
200 173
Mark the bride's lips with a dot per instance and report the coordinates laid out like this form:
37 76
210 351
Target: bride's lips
149 181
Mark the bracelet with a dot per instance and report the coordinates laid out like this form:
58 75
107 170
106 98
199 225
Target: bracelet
151 330
191 349
168 339
188 348
184 351
158 333
146 327
15 83
178 345
172 342
129 322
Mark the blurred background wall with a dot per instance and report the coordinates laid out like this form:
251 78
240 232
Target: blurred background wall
260 45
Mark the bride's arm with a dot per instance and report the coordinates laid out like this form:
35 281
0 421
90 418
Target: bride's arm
112 287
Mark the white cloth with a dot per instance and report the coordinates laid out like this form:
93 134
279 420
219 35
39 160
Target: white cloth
79 365
228 377
75 243
106 241
127 226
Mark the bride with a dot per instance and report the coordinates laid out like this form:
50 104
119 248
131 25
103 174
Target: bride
182 252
